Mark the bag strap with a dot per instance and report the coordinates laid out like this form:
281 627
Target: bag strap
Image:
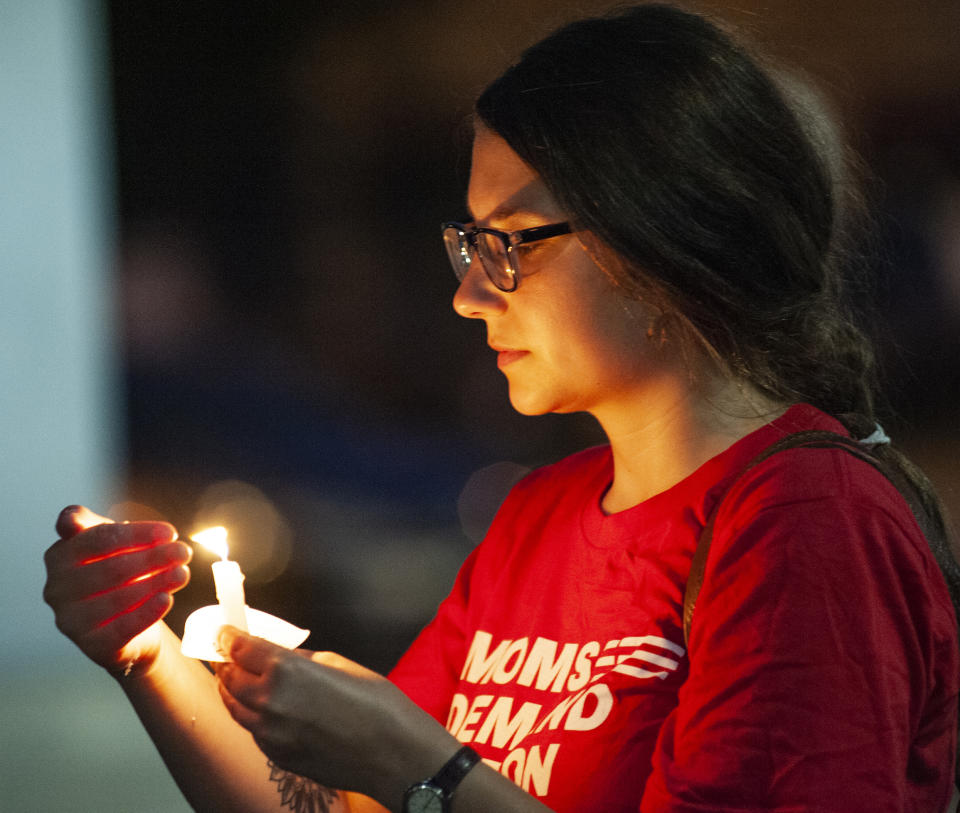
931 527
811 439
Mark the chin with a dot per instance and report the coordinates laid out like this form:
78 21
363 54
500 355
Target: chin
529 411
532 404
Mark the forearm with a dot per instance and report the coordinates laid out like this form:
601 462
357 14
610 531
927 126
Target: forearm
215 762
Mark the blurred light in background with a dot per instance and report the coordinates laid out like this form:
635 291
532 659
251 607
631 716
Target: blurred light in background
60 411
68 740
259 535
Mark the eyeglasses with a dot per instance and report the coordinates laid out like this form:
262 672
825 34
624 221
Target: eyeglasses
495 249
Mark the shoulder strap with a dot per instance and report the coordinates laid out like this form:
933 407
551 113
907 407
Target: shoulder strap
930 522
812 439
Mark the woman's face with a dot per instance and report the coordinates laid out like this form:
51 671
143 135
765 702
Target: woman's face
566 339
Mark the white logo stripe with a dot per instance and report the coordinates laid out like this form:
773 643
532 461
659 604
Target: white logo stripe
649 657
654 640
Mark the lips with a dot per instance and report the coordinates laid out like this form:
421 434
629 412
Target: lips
506 356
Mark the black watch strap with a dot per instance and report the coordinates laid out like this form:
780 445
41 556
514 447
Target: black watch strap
457 767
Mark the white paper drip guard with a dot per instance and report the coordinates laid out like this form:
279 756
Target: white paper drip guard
202 626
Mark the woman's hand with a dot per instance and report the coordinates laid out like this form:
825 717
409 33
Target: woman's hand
110 583
327 718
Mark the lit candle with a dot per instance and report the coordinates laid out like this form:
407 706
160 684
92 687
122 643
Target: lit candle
227 577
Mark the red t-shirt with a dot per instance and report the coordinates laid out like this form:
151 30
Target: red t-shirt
823 666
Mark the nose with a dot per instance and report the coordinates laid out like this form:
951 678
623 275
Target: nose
477 297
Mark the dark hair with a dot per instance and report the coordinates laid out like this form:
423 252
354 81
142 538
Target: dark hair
721 199
668 143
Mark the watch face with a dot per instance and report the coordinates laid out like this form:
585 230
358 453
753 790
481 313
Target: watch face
424 799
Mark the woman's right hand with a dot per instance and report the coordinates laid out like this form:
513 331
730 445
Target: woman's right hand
109 585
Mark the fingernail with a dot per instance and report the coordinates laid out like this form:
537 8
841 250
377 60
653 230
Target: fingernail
225 637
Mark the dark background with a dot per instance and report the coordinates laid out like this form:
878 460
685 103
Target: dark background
292 364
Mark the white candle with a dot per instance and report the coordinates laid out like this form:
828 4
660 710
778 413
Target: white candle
227 577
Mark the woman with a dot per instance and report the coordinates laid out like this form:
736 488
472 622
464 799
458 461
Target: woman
655 238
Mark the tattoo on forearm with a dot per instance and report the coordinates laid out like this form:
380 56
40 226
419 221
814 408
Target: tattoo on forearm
299 794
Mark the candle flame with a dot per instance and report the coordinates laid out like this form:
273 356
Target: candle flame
213 539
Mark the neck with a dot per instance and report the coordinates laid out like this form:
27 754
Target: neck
659 442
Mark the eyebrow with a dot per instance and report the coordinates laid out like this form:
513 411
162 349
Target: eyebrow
505 212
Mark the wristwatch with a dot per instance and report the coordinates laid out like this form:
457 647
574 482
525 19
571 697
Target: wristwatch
433 794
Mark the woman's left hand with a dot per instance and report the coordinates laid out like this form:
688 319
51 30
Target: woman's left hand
327 718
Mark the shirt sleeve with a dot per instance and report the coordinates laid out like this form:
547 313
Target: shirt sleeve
823 665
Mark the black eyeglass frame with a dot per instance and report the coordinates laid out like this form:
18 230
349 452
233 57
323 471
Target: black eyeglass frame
509 239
